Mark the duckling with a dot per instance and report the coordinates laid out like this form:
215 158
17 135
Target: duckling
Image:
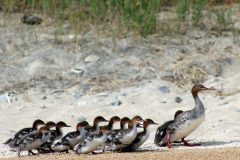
141 136
33 141
71 139
93 141
13 142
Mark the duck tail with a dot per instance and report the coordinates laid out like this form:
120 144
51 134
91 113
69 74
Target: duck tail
8 141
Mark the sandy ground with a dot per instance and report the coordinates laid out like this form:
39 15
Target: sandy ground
193 154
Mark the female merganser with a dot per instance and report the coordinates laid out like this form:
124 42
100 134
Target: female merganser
92 142
54 135
126 137
186 122
33 141
70 140
13 142
95 128
141 136
162 130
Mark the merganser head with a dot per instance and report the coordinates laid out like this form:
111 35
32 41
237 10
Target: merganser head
104 130
43 130
177 113
138 118
99 119
50 124
81 125
199 87
61 124
37 123
148 122
124 121
114 119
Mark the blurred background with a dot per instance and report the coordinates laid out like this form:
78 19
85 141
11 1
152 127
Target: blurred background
72 60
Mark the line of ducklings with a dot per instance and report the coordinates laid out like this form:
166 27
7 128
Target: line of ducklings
41 137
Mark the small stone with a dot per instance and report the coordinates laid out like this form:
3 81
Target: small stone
91 59
116 102
31 19
43 107
44 97
178 99
78 95
164 89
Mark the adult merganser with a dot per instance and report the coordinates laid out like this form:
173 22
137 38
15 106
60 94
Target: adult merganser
71 139
126 137
13 142
92 142
33 141
186 122
54 135
95 128
162 130
141 136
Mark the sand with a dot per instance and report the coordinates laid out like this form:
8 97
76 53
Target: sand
193 154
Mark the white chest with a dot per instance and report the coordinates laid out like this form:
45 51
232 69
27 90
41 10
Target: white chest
187 128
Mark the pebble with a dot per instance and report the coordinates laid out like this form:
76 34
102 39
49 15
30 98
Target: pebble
91 59
116 102
178 99
164 89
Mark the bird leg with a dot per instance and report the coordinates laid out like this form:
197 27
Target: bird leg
168 139
188 144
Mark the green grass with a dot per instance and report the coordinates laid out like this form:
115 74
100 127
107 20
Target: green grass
114 16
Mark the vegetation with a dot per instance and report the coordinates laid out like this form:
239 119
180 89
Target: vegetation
139 16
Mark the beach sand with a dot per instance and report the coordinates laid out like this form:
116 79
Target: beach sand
193 154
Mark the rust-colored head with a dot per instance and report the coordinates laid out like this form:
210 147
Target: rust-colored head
114 119
138 118
43 130
37 123
199 87
62 124
50 124
82 125
148 122
177 113
98 120
105 129
124 121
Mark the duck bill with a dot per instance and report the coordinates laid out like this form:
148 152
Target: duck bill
68 126
211 89
155 123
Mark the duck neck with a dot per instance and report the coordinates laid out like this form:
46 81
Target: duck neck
199 108
59 131
110 125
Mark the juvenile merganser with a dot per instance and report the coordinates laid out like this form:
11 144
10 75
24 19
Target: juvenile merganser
141 136
13 142
126 137
95 128
54 135
71 139
93 141
50 125
33 141
110 125
162 130
112 120
186 122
